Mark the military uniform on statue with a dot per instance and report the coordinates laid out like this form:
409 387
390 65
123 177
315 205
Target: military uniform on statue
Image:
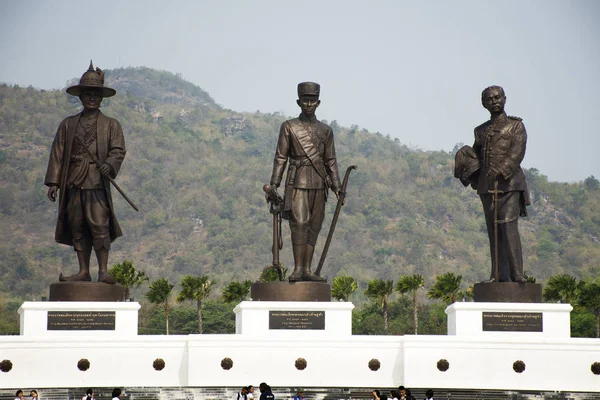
308 146
500 144
493 168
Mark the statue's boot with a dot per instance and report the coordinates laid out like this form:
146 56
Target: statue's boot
84 269
309 251
103 275
298 260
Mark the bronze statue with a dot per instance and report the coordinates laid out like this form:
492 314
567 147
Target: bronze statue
86 154
492 167
307 144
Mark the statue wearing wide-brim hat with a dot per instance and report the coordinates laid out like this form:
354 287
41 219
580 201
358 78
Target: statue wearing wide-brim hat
85 158
92 79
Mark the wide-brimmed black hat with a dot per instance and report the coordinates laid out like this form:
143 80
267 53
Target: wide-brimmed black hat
92 79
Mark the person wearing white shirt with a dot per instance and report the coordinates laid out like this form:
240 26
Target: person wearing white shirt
242 394
116 394
89 395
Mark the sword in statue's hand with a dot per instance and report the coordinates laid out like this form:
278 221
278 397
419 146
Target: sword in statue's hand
336 214
99 165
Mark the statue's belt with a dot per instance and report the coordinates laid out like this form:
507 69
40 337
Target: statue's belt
74 159
300 162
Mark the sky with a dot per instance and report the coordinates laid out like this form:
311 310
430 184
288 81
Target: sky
413 70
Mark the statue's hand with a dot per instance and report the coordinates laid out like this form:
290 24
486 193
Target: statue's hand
338 194
105 169
52 193
493 173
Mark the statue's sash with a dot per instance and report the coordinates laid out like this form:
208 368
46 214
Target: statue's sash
302 136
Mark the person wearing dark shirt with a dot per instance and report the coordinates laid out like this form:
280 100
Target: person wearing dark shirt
265 392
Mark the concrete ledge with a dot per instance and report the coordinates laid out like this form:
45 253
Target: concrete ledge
507 292
286 291
86 291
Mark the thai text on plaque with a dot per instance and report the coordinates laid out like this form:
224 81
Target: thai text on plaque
512 322
311 320
81 321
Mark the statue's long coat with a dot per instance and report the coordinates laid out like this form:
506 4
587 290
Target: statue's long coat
110 149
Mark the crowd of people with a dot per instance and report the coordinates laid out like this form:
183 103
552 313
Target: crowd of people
33 395
89 395
401 394
247 393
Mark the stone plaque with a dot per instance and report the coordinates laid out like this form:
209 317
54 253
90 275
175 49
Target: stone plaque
513 322
81 321
311 320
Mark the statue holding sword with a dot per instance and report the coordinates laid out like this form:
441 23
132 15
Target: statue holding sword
493 167
306 145
85 157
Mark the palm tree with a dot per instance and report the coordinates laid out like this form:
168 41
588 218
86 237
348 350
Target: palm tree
342 287
270 274
160 293
446 288
380 290
589 298
411 284
236 291
195 288
127 276
561 288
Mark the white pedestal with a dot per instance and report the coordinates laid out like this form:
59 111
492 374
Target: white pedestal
258 318
478 359
467 319
78 319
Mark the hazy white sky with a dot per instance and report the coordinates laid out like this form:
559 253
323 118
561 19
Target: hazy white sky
410 69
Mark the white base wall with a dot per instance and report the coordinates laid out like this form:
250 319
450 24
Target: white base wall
552 363
252 318
34 318
466 319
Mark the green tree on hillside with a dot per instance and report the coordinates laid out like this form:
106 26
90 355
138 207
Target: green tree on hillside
589 298
561 287
447 288
236 292
342 287
411 284
379 291
591 183
127 276
195 288
160 293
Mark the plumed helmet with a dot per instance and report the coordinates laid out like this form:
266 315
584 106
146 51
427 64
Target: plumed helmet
466 164
93 79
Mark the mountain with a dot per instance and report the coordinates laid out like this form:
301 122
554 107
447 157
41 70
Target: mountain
196 172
